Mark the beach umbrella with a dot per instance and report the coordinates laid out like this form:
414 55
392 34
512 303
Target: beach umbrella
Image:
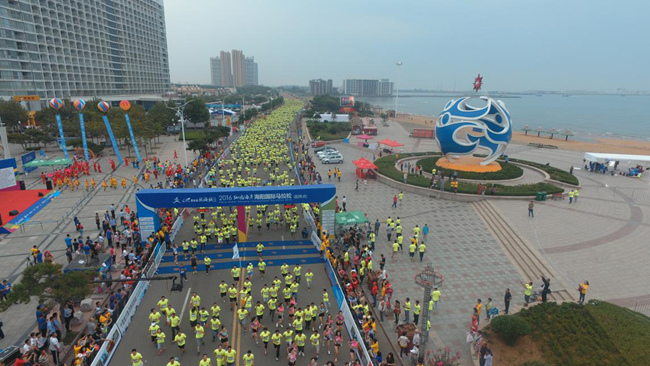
539 130
552 132
566 133
526 128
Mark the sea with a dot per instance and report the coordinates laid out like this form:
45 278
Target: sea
587 116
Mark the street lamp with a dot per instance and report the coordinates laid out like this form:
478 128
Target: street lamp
179 113
399 64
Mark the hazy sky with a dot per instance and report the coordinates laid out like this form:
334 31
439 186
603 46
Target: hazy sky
514 44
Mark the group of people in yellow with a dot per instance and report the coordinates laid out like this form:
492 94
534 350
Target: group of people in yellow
258 158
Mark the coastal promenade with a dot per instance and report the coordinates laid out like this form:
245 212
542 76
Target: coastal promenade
48 228
599 238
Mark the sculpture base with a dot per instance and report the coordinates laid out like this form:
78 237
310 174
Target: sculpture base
468 164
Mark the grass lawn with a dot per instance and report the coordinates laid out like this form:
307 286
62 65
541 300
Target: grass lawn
328 131
598 333
194 135
555 173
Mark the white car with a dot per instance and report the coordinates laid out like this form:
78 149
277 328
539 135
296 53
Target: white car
329 154
326 152
335 159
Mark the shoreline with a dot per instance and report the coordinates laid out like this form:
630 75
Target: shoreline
597 144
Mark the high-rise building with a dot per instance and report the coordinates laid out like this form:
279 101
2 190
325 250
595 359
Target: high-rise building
236 71
320 86
250 71
83 48
226 69
215 71
238 67
368 87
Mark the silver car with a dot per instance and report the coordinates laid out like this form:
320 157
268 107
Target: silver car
334 159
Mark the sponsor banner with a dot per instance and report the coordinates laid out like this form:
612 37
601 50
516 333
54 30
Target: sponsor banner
31 156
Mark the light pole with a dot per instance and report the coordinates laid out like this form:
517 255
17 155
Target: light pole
399 64
179 112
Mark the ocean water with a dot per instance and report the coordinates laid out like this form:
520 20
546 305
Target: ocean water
588 116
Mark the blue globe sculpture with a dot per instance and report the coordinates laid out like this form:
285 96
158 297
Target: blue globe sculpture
463 130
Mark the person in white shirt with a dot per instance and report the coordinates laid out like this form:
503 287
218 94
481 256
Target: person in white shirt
55 348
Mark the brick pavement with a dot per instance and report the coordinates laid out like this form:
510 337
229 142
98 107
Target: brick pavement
601 238
461 248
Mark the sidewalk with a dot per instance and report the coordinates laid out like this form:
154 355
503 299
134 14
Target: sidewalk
20 320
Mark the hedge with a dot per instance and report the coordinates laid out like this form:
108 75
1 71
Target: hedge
387 168
329 131
555 173
510 328
508 171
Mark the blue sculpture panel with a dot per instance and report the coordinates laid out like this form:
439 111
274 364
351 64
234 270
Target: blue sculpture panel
463 130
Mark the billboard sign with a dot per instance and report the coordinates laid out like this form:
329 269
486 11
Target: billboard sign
31 156
347 101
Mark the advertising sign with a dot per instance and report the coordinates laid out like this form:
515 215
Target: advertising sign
31 156
347 101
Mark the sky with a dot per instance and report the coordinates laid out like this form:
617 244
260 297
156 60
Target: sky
516 45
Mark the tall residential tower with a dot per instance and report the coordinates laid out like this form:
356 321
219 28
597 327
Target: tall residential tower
233 69
83 48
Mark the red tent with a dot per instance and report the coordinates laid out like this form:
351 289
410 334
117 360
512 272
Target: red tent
391 143
364 137
362 164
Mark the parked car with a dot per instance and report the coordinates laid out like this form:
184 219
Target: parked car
317 144
335 159
329 154
323 148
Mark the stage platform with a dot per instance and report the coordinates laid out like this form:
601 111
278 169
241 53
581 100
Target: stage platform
27 203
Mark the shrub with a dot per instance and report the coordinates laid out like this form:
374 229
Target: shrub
555 173
508 171
510 328
329 131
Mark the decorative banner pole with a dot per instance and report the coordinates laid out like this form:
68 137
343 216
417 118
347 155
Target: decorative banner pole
103 107
57 104
126 105
80 104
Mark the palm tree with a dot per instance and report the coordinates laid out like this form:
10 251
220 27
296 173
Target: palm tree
552 132
539 130
526 128
566 133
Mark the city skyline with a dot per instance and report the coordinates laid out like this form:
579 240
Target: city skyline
233 69
537 47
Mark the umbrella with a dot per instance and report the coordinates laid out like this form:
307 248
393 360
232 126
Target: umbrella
351 218
364 137
364 163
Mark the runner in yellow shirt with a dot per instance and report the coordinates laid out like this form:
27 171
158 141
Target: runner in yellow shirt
205 361
136 358
249 358
173 362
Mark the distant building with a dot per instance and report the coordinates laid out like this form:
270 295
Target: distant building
233 69
368 87
320 87
250 71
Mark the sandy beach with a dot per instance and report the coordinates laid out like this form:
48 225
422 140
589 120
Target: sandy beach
602 145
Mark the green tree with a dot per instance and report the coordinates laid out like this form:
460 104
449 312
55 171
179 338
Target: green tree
196 111
197 145
12 112
48 282
162 115
20 139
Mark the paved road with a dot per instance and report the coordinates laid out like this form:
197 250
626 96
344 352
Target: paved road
207 288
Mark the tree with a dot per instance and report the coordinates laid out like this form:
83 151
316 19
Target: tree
197 145
196 111
162 115
384 117
19 138
48 282
12 112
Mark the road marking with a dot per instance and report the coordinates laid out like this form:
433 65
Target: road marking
187 297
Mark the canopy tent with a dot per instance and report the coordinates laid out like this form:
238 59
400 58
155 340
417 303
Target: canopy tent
362 164
391 143
351 218
602 157
364 137
54 162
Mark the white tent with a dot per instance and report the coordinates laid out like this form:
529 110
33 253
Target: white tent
602 157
